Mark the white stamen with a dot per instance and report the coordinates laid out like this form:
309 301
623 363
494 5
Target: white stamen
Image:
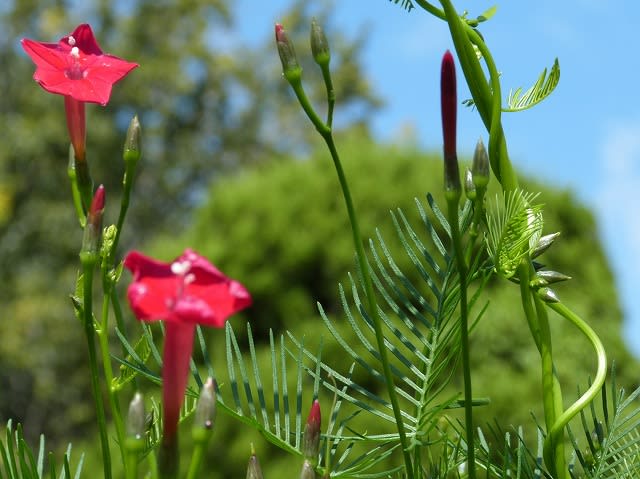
71 41
75 52
180 268
190 278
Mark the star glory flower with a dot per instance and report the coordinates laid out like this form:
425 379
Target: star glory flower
186 292
76 66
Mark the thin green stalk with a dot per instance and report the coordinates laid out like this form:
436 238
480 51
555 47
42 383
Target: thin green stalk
196 459
372 304
75 191
88 264
555 433
326 133
114 404
331 94
551 389
454 224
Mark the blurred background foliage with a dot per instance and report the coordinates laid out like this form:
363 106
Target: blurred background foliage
231 168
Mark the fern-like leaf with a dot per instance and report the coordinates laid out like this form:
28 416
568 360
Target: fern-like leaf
611 445
406 4
514 228
542 88
421 330
20 462
517 100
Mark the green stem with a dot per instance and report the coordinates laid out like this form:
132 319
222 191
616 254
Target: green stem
103 338
551 389
196 459
331 94
88 264
75 191
555 455
372 304
326 133
556 431
454 224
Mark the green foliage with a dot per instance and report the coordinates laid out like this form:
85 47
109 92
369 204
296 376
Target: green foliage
242 228
542 88
517 100
610 445
18 460
206 107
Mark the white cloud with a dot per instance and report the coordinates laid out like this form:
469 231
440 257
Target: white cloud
619 214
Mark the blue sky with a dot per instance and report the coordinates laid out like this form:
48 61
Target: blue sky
585 137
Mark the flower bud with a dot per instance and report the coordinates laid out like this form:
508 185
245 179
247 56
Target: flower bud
253 469
132 152
93 226
547 277
543 244
319 44
311 435
205 411
480 166
290 67
307 471
548 295
469 185
448 104
136 425
136 419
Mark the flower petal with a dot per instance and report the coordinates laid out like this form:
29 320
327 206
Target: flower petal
84 40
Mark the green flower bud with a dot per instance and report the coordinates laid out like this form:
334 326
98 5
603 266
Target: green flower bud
469 185
205 411
132 150
253 468
136 425
319 44
546 277
307 471
136 419
480 166
548 295
543 244
290 67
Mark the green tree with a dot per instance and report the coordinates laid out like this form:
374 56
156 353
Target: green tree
206 108
283 232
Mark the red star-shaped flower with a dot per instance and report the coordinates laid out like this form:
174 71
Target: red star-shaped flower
188 290
183 293
76 66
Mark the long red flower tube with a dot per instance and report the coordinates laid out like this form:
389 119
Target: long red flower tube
182 293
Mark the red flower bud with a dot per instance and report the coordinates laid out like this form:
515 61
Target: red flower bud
311 435
93 227
448 103
290 67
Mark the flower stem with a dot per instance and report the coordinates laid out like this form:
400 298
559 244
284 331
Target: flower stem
551 390
103 338
555 433
454 224
88 261
326 133
196 459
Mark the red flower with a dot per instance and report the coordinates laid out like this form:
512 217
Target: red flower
76 66
183 293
